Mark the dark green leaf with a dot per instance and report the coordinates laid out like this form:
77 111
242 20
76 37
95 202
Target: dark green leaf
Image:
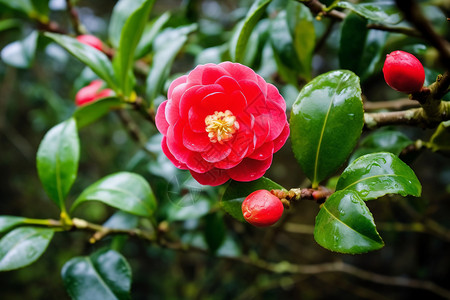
57 160
382 11
9 23
93 58
121 12
129 39
344 224
23 246
91 112
215 231
149 34
236 192
25 6
20 54
125 191
104 275
385 140
440 140
244 29
377 174
8 222
360 49
326 122
167 45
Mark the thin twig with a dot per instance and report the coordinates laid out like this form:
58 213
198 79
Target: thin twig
318 9
399 104
77 26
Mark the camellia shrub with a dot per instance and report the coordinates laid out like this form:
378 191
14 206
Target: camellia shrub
200 129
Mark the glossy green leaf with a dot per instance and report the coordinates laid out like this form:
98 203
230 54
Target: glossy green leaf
360 49
244 28
149 34
8 222
440 140
121 12
93 58
190 207
20 54
236 192
57 160
344 224
377 174
382 140
380 11
104 275
326 122
91 112
23 246
126 191
129 39
166 46
300 22
122 220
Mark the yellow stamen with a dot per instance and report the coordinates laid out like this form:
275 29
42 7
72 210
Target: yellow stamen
221 126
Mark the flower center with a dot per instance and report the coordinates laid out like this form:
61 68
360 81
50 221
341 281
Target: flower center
221 126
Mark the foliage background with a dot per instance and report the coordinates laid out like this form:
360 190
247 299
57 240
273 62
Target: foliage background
33 100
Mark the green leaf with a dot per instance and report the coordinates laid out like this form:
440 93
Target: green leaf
9 23
91 112
149 34
8 222
377 174
386 140
93 58
236 192
301 23
57 160
104 275
121 12
122 220
20 54
440 140
129 39
360 49
382 11
344 224
215 231
25 6
244 28
167 45
23 246
126 191
326 122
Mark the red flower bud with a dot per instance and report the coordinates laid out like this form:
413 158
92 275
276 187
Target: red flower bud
91 93
403 72
261 208
91 40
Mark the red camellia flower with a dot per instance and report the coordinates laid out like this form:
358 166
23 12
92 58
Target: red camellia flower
261 208
91 93
222 121
403 72
91 40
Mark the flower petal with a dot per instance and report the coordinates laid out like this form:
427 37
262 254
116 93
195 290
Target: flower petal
281 139
160 118
213 177
216 152
212 73
197 164
274 95
250 169
229 84
169 155
176 83
174 143
194 96
262 152
194 141
238 71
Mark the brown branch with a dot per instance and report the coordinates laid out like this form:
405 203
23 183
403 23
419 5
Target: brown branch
403 30
390 105
319 195
77 26
319 9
